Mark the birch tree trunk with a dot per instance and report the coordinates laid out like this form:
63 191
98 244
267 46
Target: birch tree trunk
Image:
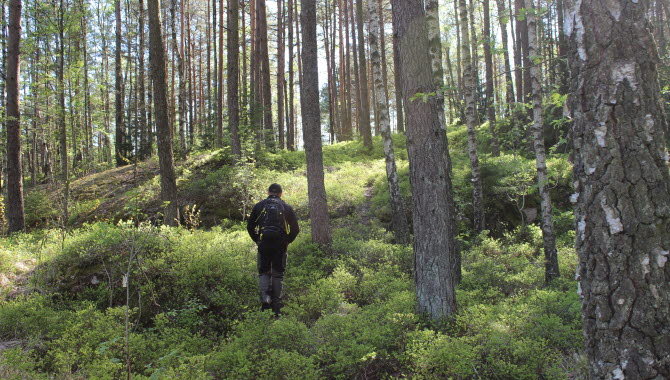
364 127
181 92
550 254
399 220
622 189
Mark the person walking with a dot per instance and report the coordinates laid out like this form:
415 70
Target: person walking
272 226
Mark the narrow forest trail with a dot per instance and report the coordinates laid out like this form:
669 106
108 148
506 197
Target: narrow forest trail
364 210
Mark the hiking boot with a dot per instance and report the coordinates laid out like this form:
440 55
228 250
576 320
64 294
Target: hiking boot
276 307
266 302
264 284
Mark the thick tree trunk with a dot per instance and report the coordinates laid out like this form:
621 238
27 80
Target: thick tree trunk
311 125
550 254
365 128
488 40
471 116
399 220
427 150
165 156
622 189
14 210
233 77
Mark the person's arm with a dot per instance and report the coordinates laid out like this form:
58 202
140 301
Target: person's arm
251 223
292 222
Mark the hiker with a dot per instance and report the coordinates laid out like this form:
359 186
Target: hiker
272 226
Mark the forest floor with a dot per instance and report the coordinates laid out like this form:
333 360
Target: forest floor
350 311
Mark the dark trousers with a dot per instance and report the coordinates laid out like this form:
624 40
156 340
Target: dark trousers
271 267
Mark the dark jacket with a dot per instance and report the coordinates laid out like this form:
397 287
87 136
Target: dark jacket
289 216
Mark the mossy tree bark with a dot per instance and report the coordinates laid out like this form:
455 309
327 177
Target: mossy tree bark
622 188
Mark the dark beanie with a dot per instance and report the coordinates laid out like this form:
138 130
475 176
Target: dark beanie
275 188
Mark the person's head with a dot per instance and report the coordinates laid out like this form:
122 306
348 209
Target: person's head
275 189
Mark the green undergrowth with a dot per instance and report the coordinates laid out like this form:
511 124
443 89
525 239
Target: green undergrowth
189 294
210 184
511 195
350 312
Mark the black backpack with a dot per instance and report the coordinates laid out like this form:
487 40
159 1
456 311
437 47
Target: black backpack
271 221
